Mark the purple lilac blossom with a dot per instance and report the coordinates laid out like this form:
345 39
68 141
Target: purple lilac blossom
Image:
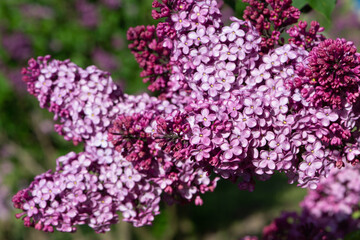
152 53
81 99
90 187
300 36
271 18
253 110
332 74
209 76
227 108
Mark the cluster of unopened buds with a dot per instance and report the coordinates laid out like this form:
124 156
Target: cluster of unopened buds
230 105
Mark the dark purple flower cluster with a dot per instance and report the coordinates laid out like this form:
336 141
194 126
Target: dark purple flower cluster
302 37
270 18
227 109
332 74
164 8
142 138
151 54
159 147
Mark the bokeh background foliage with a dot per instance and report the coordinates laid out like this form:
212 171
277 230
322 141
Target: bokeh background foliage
94 32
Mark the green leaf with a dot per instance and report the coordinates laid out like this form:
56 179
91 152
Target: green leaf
299 4
324 7
240 8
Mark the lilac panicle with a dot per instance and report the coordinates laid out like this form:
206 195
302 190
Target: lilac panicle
230 87
81 99
83 191
222 74
300 36
91 187
155 141
271 18
332 74
151 54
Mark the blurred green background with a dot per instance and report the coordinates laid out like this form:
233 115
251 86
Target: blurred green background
94 32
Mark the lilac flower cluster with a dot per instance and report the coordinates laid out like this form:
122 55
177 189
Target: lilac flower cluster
81 99
151 54
246 110
332 74
271 18
327 212
64 198
302 37
227 108
90 187
156 145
